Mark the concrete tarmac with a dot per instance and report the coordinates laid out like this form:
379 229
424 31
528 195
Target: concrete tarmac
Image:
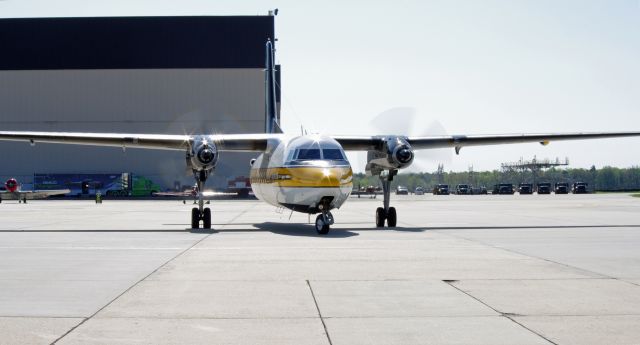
531 269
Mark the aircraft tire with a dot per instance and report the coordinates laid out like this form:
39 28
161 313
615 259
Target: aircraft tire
380 217
321 227
392 217
206 219
195 218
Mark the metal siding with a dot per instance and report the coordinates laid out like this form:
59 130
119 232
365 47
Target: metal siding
138 101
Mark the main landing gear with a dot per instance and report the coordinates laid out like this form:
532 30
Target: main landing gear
387 213
200 213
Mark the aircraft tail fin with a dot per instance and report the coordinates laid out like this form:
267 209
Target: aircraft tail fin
271 116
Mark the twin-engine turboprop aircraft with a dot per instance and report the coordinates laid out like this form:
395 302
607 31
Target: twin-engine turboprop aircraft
308 173
14 192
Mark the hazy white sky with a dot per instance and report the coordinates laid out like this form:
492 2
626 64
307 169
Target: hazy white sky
477 67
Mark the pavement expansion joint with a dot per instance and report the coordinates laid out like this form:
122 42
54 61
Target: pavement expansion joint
508 316
315 301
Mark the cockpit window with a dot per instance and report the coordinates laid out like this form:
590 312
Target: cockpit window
308 154
333 154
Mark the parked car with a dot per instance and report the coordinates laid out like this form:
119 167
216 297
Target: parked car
402 190
544 188
479 190
441 189
503 188
525 188
419 191
463 189
579 188
561 188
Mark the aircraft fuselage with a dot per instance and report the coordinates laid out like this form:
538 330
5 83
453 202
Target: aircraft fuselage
301 173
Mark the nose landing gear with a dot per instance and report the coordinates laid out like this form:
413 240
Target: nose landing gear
325 219
387 213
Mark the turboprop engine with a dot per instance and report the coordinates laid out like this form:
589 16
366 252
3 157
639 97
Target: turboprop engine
203 155
395 153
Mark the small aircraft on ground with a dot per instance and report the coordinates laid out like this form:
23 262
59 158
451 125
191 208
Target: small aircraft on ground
307 173
14 192
192 192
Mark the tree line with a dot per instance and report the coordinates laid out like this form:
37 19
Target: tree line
604 179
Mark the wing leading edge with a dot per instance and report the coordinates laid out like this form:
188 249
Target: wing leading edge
459 141
224 142
259 142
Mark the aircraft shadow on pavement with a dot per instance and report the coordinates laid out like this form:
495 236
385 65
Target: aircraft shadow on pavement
303 229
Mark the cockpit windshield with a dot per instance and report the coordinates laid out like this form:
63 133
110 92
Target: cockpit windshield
308 154
333 154
303 149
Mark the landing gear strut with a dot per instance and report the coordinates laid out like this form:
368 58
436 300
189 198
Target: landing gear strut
387 213
200 213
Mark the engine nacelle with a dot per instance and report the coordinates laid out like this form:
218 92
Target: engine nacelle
395 153
204 154
400 153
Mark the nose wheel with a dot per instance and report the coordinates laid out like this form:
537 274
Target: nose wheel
323 223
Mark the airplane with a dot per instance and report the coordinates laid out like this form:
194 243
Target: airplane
308 173
13 192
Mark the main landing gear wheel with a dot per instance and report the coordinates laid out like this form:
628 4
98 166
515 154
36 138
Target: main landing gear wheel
391 217
206 218
196 218
380 216
321 227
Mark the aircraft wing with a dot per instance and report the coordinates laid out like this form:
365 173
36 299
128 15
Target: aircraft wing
459 141
32 194
224 142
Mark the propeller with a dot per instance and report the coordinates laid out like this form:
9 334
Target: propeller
406 121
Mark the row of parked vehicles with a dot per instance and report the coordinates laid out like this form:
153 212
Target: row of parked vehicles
508 188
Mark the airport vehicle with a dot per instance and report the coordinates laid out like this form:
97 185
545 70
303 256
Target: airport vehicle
544 188
463 189
240 186
13 191
441 189
135 186
503 188
419 191
479 190
561 188
525 188
579 188
402 190
307 173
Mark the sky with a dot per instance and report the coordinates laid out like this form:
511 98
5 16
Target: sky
461 67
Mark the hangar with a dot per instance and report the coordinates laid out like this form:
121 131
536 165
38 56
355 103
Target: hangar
170 75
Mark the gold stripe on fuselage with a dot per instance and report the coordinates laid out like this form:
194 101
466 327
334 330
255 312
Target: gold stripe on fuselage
307 177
